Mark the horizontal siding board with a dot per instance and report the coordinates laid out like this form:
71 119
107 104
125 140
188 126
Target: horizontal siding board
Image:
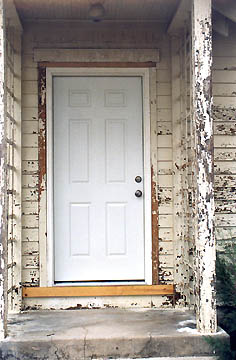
164 128
30 221
30 207
227 168
163 76
225 206
166 275
30 73
166 248
166 221
164 141
224 89
164 209
225 154
30 261
166 261
29 181
29 87
30 235
28 61
226 128
30 248
29 153
30 113
30 277
30 100
164 115
30 127
225 233
228 48
224 63
165 234
165 196
224 76
163 88
224 101
225 219
30 167
225 180
164 102
164 154
164 63
226 141
30 140
30 194
222 193
165 181
164 168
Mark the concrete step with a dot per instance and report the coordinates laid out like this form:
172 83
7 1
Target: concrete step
177 358
104 333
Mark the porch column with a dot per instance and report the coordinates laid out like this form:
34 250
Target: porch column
3 189
205 302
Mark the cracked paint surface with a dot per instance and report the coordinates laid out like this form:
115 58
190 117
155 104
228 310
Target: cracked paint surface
205 302
3 209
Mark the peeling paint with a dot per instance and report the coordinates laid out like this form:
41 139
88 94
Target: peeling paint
42 129
155 246
204 210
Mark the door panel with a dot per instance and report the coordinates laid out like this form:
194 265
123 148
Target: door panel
98 152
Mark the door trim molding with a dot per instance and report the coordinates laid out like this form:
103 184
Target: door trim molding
46 261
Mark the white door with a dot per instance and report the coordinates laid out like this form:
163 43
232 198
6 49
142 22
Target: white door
98 153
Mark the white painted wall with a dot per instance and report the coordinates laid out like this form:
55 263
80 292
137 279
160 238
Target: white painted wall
224 96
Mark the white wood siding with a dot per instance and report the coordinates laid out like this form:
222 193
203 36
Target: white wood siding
70 36
224 98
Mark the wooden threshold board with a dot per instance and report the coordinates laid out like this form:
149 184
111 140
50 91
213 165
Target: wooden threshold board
117 290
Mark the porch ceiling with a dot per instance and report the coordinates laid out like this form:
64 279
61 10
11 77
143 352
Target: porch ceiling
158 10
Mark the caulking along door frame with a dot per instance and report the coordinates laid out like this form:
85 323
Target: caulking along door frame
142 72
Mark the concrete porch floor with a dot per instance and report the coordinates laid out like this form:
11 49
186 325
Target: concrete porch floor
103 333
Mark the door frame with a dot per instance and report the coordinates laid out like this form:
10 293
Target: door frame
62 71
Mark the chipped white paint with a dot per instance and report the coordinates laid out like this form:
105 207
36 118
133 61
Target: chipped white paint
204 225
34 231
177 164
131 302
3 228
12 153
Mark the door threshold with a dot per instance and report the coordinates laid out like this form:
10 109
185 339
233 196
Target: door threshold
110 290
100 283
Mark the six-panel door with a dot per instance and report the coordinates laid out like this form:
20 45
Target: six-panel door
98 152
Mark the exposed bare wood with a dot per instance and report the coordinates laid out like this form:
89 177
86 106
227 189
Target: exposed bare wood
69 291
202 109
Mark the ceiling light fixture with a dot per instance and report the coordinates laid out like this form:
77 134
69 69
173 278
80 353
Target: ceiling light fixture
96 12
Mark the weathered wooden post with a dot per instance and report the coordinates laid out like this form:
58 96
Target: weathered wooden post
3 189
204 205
